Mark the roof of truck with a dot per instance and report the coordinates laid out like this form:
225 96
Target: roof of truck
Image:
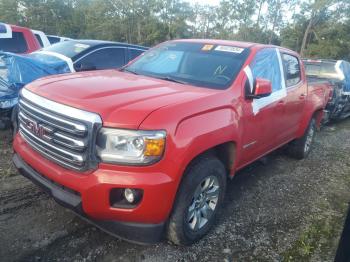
235 43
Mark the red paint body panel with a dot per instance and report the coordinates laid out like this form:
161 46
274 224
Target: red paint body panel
32 42
195 119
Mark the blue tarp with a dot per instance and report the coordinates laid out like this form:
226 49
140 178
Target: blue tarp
266 66
18 70
345 68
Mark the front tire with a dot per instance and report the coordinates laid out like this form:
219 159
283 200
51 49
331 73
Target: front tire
301 147
198 200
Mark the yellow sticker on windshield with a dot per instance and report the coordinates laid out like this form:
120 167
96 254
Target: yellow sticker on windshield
207 47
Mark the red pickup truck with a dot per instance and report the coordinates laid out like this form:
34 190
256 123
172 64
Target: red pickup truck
17 39
146 151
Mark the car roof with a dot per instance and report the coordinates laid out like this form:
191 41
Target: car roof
95 43
240 44
16 28
217 42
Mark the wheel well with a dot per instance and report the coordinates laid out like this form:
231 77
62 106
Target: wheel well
225 152
318 115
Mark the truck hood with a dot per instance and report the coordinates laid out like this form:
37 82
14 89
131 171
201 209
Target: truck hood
121 99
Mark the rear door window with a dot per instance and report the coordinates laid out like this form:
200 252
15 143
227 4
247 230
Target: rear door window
292 72
39 40
105 58
16 44
133 53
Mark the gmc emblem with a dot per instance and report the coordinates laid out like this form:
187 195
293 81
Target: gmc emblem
37 129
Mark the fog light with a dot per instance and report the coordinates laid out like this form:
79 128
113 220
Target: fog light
130 195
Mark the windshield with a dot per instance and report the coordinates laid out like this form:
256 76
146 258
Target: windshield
67 48
205 65
321 70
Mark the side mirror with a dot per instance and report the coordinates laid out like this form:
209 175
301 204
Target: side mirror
262 88
85 67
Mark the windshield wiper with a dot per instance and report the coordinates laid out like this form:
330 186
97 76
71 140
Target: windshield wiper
124 69
168 78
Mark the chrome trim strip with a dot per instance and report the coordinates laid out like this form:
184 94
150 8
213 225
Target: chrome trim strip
76 159
71 143
74 144
79 129
38 148
135 48
61 109
98 49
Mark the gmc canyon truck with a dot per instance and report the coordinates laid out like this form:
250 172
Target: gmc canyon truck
337 73
145 151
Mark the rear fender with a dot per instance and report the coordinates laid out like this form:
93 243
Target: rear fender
308 115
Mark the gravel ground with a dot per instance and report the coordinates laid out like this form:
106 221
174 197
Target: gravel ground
282 210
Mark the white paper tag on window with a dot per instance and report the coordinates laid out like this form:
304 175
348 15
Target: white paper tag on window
231 49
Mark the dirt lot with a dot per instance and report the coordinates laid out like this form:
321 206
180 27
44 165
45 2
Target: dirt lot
285 210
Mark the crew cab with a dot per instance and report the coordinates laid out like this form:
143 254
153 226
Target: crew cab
145 151
337 74
17 39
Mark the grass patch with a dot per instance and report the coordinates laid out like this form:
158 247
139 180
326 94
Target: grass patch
321 237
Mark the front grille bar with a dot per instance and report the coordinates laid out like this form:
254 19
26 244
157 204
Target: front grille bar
59 132
75 128
58 152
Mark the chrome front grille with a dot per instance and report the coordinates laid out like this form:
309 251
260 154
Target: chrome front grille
60 133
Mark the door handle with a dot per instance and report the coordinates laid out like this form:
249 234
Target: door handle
302 96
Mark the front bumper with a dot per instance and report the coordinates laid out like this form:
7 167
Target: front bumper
88 194
134 232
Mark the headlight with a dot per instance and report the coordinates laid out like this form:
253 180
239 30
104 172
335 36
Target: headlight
130 147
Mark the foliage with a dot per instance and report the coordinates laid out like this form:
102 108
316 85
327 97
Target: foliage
316 28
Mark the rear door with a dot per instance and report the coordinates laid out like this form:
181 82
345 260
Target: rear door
296 95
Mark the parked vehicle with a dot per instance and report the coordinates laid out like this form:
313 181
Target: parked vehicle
148 150
337 72
42 38
56 39
65 57
16 39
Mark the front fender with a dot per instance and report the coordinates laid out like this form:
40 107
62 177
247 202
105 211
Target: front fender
201 132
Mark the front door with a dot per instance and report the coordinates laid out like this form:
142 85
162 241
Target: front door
263 117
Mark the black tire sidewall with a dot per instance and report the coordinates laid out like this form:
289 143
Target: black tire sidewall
196 173
312 125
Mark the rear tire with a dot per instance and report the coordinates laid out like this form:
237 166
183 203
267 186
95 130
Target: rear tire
301 147
198 200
